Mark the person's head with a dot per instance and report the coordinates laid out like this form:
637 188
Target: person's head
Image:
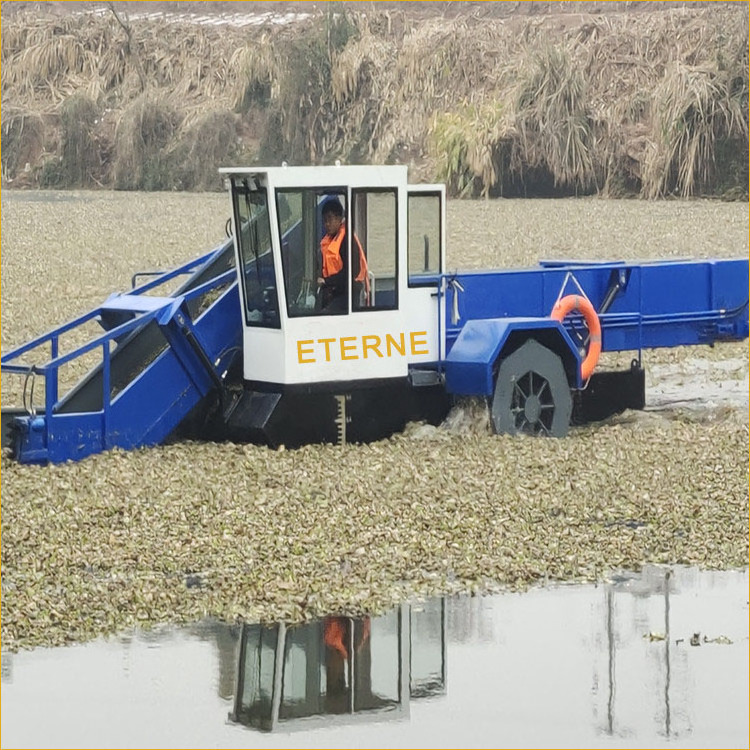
333 216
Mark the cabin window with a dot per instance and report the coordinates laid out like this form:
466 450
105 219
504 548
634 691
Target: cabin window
301 230
374 250
253 232
424 235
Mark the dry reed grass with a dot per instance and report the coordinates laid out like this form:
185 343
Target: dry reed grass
23 137
473 147
552 119
203 144
144 130
648 102
693 109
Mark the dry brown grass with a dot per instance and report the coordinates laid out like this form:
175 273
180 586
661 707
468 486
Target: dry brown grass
473 147
204 143
144 130
647 102
23 134
552 119
693 108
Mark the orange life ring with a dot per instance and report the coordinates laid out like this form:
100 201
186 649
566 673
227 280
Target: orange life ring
577 302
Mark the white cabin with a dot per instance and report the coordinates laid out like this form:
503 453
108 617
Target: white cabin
288 339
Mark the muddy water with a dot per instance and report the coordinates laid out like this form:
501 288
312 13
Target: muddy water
699 384
655 659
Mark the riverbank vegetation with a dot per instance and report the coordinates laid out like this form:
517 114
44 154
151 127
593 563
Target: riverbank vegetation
650 103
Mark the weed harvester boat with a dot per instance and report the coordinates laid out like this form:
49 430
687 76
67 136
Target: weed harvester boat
244 349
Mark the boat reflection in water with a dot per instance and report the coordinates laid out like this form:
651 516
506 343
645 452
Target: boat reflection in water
641 660
340 670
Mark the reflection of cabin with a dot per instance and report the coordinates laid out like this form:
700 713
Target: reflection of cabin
340 670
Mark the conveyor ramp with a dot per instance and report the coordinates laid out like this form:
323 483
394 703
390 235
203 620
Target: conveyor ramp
162 358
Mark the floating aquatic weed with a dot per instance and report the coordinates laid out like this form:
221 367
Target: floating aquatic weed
112 541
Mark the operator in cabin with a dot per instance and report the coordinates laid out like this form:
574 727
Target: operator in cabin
333 280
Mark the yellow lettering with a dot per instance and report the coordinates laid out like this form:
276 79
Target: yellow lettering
415 342
348 347
372 346
390 341
301 351
326 343
367 345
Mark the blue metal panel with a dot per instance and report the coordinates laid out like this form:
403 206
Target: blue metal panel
469 366
675 288
728 280
670 303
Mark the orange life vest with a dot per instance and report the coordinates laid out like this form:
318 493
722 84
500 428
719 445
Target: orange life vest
330 248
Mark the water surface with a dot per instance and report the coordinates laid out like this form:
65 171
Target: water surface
651 660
